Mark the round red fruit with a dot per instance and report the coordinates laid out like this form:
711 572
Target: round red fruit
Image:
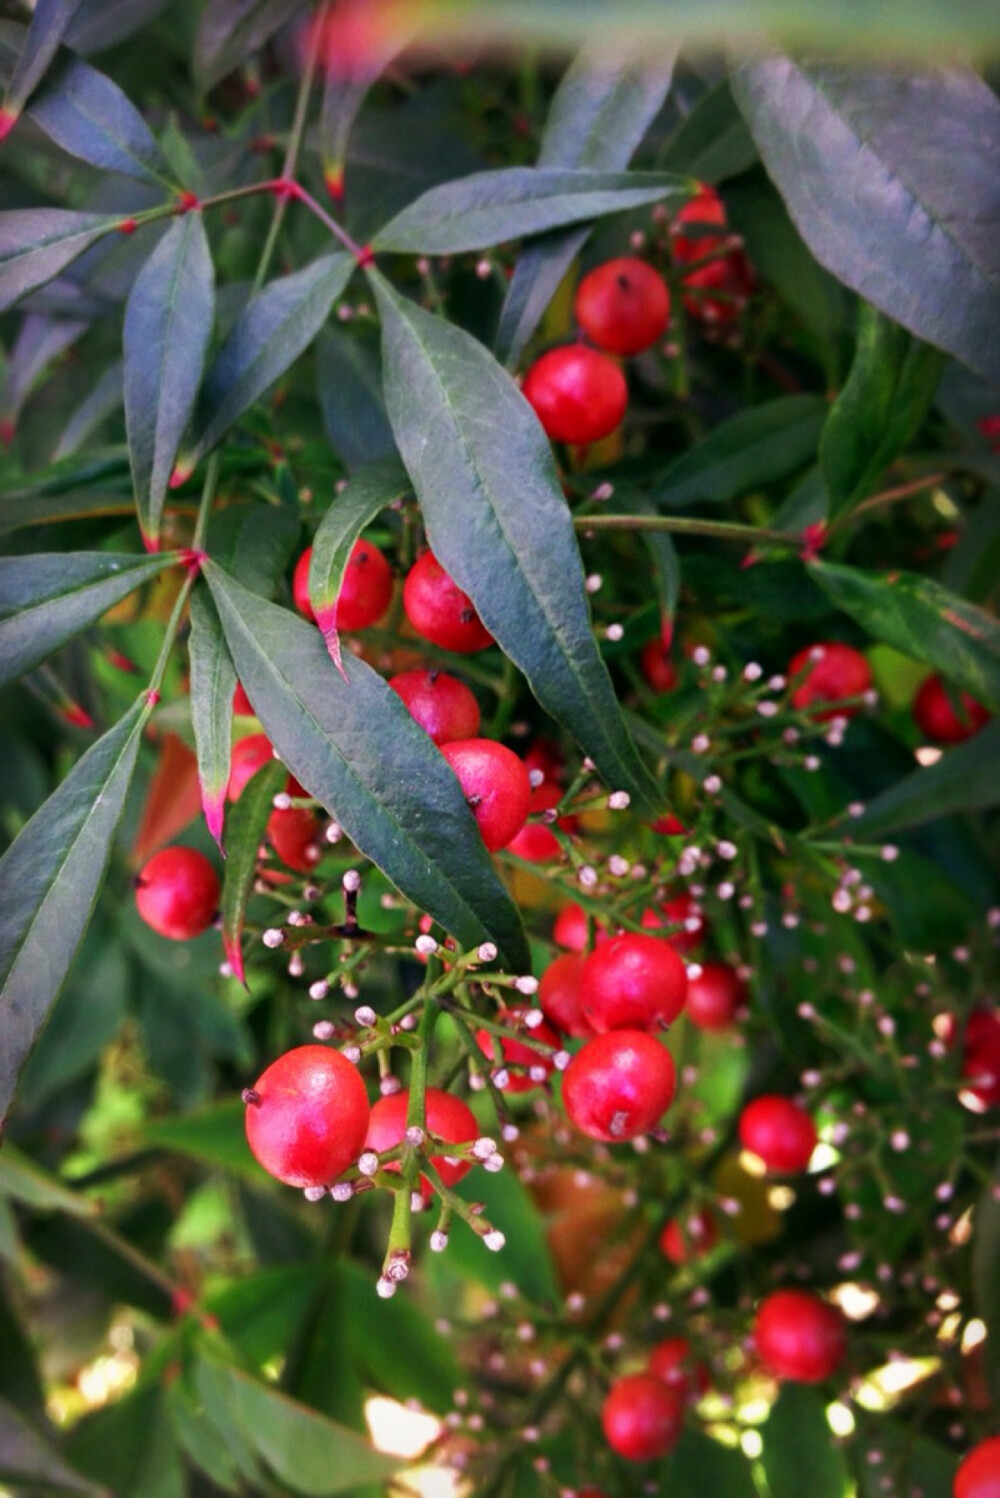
799 1337
495 784
632 982
715 997
439 611
703 212
307 1116
249 755
570 929
177 893
643 1417
623 305
619 1085
536 842
300 586
684 915
365 590
578 395
444 707
672 1361
834 673
559 996
981 1059
687 1238
778 1132
515 1058
718 292
447 1117
939 720
242 706
293 833
979 1474
657 667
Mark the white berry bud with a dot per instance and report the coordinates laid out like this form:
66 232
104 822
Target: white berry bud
365 1015
368 1163
273 937
494 1240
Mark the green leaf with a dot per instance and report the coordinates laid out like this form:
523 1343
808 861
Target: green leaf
213 682
262 550
799 1458
985 1280
890 177
84 1021
525 1259
306 1451
101 24
261 1312
964 779
354 746
877 414
371 490
499 524
491 208
49 22
131 1445
662 551
27 1458
37 243
213 1135
50 877
760 446
699 1466
87 114
205 1446
273 329
229 30
47 599
349 389
40 342
922 619
168 323
600 112
712 141
102 400
908 1458
394 1344
24 1181
245 827
347 85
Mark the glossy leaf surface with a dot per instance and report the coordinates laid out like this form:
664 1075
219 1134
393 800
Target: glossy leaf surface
799 1458
213 682
85 113
759 446
245 826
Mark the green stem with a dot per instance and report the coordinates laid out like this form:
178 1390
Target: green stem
685 525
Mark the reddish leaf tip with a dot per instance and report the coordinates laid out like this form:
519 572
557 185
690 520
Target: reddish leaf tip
76 715
365 256
234 956
213 805
8 119
182 472
151 543
813 539
333 178
192 558
326 618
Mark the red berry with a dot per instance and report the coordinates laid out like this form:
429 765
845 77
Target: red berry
177 893
577 394
938 719
570 929
242 706
799 1337
778 1132
516 1058
979 1474
834 672
447 1117
643 1417
544 755
307 1116
365 591
536 842
687 1238
632 982
702 212
669 826
559 995
249 755
671 1360
715 996
619 1085
683 913
718 292
442 705
293 833
300 586
439 611
623 305
495 784
981 1058
658 670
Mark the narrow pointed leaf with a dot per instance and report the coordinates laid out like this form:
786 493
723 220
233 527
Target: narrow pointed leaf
273 329
498 522
27 1458
371 489
712 141
49 22
87 114
661 549
891 180
245 827
354 746
759 446
101 402
213 682
964 779
231 29
347 83
168 323
37 243
491 208
23 1180
924 620
349 389
40 342
47 599
50 877
100 24
799 1458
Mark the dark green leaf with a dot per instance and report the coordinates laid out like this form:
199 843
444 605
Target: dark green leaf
49 21
214 1135
922 619
906 1457
213 682
371 490
702 1468
662 551
395 1345
100 24
168 323
964 779
498 522
490 208
104 399
261 1312
202 1443
27 1458
985 1280
87 114
273 329
25 1181
85 1019
265 545
525 1259
712 142
37 243
891 180
49 881
39 344
349 387
760 446
131 1445
229 30
800 1459
47 599
876 415
245 827
354 746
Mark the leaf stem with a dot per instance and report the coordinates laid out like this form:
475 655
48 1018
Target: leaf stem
685 525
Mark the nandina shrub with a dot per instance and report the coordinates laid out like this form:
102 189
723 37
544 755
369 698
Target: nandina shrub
284 285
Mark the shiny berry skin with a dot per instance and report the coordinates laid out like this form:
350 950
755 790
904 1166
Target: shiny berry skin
536 842
249 755
444 707
669 826
981 1058
307 1116
778 1132
242 706
177 893
623 305
718 292
937 718
834 672
632 982
672 1361
979 1474
799 1337
439 611
559 996
570 929
684 915
365 591
687 1238
293 833
704 211
643 1417
618 1085
715 997
300 586
516 1058
658 670
495 784
446 1116
578 395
